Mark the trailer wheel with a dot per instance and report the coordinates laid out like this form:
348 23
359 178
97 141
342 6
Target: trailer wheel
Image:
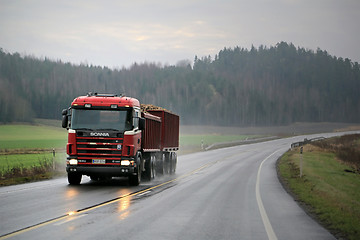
153 167
167 163
173 162
74 178
160 163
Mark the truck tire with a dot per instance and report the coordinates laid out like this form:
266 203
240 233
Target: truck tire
153 166
147 173
150 171
134 180
74 178
160 163
163 164
167 163
173 162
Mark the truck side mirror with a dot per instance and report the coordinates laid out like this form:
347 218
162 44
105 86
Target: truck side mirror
142 123
64 122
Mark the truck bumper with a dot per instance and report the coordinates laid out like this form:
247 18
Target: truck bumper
102 171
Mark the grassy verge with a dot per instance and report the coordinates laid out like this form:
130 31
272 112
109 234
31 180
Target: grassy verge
23 160
329 186
22 168
26 152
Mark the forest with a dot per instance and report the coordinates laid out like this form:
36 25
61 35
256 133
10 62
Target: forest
264 86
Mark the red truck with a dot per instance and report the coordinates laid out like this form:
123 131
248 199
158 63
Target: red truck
112 136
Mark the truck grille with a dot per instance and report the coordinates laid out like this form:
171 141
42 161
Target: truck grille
89 148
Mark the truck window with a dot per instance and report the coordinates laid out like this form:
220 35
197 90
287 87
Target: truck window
136 118
96 119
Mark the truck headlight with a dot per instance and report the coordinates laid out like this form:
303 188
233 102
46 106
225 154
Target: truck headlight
127 163
73 162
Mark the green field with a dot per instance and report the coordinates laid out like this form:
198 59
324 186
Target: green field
28 150
329 188
31 137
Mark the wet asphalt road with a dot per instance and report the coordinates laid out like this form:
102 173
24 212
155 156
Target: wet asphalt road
230 193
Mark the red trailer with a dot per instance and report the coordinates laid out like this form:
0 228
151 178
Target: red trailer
151 136
167 143
169 129
111 136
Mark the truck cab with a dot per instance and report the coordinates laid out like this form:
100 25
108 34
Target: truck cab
104 138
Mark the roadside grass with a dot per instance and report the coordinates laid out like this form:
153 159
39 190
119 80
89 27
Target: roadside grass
328 189
26 152
22 160
22 168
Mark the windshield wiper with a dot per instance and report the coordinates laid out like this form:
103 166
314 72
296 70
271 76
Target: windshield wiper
84 129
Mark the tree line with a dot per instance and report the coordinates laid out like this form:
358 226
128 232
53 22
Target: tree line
265 86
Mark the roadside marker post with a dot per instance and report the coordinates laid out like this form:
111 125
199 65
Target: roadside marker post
53 160
301 160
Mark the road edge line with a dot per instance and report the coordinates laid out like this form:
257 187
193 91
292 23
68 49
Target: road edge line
269 230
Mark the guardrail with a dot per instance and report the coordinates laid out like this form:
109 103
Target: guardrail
306 141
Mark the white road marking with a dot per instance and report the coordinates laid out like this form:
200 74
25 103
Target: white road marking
69 219
269 230
141 194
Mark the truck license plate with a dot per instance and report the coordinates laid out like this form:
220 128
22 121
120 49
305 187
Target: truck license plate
98 161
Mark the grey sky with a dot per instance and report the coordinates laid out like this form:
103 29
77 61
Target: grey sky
119 33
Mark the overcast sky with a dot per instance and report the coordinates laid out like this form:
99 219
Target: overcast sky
119 33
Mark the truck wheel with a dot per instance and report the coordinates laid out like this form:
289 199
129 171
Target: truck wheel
148 169
134 180
74 178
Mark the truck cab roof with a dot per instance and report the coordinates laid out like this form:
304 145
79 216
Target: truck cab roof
105 100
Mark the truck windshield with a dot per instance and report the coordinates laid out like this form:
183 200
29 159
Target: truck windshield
86 119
